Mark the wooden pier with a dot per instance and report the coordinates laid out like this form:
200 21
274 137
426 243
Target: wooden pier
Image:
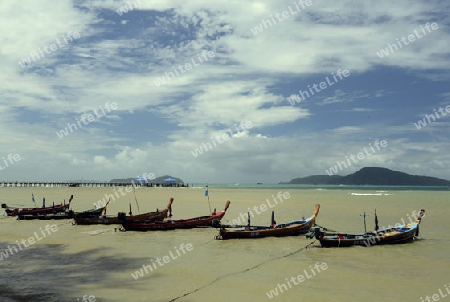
88 184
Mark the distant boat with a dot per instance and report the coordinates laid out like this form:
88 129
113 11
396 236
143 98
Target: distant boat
366 194
259 183
74 184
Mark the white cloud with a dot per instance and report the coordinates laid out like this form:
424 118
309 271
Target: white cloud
117 60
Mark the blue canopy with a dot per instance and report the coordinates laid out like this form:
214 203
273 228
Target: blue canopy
170 179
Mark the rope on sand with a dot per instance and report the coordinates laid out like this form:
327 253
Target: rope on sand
241 272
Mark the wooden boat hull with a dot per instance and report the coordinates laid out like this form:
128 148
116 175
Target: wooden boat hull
121 217
45 217
11 212
150 216
293 228
61 208
261 232
38 211
97 220
202 221
89 213
399 235
364 240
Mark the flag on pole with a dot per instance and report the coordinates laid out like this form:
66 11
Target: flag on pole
207 195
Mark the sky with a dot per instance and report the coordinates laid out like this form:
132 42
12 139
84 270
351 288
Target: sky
113 67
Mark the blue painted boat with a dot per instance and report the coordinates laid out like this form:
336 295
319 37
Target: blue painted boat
401 234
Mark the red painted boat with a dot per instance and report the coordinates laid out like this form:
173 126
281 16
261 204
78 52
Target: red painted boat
120 217
201 221
61 208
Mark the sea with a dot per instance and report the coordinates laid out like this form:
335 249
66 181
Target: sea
66 262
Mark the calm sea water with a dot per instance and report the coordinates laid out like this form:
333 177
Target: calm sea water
97 261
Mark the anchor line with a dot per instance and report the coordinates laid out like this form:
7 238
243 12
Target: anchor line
241 272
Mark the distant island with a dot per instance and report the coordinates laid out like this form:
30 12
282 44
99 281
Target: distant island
371 176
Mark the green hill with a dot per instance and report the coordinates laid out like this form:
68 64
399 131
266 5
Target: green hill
373 176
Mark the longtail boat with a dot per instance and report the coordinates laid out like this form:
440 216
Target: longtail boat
201 221
63 215
121 217
61 208
296 227
89 213
395 235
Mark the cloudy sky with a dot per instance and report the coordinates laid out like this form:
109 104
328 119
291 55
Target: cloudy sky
121 52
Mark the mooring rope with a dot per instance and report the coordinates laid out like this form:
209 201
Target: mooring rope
325 229
243 271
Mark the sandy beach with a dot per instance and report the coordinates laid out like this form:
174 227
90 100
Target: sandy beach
100 262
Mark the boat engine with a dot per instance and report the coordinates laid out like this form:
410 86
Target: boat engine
122 216
318 233
310 234
216 223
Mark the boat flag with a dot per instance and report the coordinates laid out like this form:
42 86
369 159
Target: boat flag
376 221
207 195
32 199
